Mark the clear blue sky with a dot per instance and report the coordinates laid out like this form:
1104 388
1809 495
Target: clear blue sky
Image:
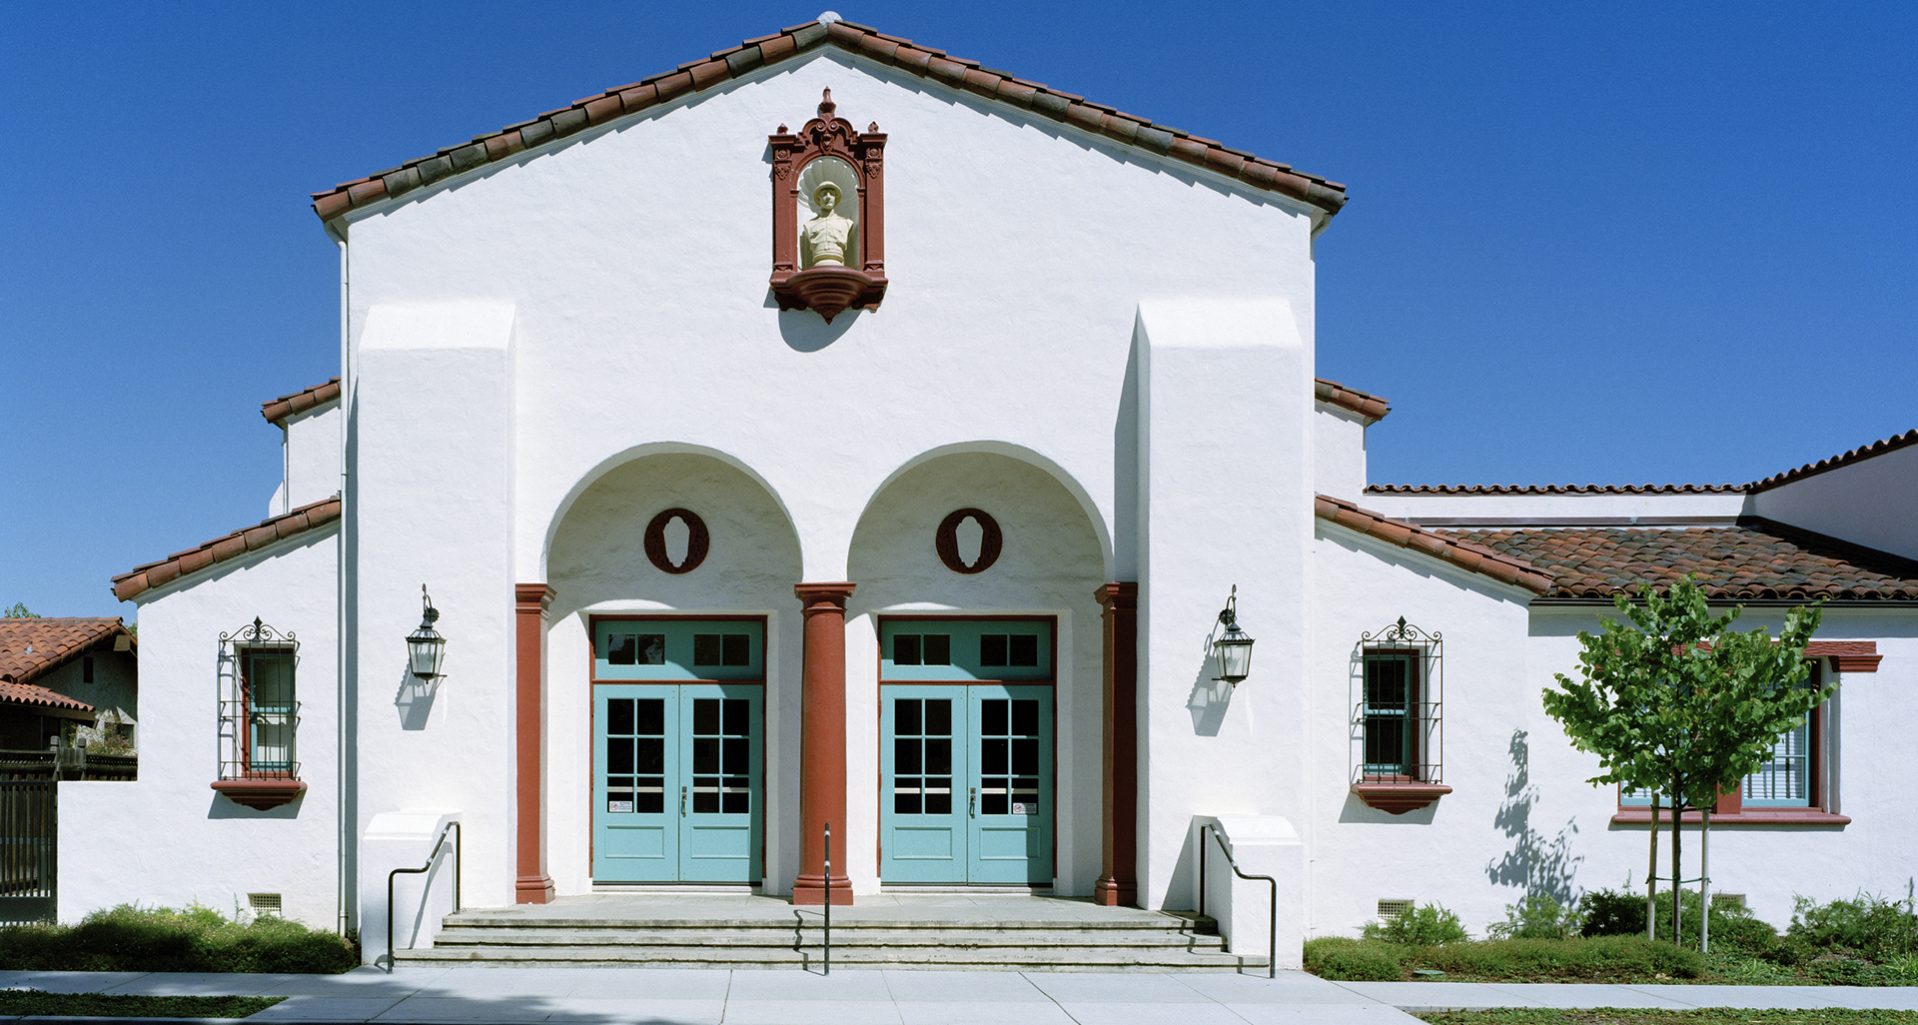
1622 242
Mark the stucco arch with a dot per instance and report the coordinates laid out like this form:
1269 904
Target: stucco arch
1094 519
612 462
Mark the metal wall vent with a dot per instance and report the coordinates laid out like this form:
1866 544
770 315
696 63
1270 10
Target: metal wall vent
1390 910
1734 899
264 903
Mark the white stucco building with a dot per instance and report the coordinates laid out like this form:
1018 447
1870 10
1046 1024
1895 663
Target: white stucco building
742 521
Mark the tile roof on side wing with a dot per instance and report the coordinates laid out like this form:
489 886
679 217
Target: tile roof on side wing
926 62
33 647
1372 407
276 410
141 579
1461 552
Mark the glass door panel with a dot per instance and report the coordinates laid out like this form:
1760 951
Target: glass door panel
720 822
1010 831
922 820
635 825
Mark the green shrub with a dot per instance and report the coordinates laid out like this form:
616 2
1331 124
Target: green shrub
1612 913
1423 926
1537 917
1603 958
1879 929
1354 960
194 939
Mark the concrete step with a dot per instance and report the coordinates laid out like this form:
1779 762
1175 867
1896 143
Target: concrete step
502 936
1037 958
810 921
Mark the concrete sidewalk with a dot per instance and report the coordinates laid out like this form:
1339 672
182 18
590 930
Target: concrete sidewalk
850 997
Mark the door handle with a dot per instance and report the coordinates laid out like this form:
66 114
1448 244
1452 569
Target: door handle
682 802
972 796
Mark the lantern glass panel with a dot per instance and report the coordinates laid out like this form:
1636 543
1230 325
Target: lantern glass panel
426 649
1235 655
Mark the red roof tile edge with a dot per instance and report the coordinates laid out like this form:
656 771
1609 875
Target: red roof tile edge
860 40
34 694
71 636
276 410
1555 489
1862 452
140 579
1371 407
1463 554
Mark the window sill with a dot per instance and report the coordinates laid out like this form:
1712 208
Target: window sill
1397 798
260 794
1747 817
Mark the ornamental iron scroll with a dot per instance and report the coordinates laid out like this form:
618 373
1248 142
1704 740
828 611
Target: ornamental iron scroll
945 541
258 715
698 541
856 276
1397 725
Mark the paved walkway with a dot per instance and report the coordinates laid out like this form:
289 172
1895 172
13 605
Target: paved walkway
660 996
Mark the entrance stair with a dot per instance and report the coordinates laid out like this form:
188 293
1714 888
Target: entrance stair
1010 933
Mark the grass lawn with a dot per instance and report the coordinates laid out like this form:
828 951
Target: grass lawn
1638 1016
33 1001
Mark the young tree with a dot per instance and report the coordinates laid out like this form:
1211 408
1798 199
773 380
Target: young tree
1673 700
19 611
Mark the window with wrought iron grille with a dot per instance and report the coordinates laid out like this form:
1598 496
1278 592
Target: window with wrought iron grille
259 711
1397 725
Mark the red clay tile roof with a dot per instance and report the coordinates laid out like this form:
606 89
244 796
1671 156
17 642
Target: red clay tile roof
30 648
1876 448
1462 553
1753 560
276 410
1553 489
1371 407
957 72
248 539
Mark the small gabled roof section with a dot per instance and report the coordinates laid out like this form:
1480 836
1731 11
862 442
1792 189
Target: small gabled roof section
1464 554
276 410
864 41
32 648
272 530
1372 407
1859 454
1554 489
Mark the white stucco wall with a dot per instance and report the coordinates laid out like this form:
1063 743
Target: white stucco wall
311 448
1520 815
1338 446
1574 508
167 838
1867 502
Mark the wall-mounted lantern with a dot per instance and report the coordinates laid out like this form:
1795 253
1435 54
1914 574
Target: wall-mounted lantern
425 648
1233 650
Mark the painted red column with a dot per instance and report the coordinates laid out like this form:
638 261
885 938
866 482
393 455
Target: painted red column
822 745
531 884
1118 877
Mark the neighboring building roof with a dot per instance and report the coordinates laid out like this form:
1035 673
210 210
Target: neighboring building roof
1371 407
1752 560
1463 553
1862 452
30 648
247 539
1553 489
749 56
276 410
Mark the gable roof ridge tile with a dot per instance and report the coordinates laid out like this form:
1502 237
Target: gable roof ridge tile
961 72
269 531
1465 554
1372 407
1845 458
1554 489
278 409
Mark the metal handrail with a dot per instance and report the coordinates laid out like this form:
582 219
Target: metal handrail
826 959
1272 919
459 845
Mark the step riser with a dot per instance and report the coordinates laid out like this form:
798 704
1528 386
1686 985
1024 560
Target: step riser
452 938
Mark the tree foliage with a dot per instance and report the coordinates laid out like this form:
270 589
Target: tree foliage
19 610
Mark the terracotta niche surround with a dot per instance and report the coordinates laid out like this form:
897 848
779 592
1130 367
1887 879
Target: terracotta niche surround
1119 837
822 744
829 290
531 884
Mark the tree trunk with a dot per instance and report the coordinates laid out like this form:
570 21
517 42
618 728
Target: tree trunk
1678 808
1651 876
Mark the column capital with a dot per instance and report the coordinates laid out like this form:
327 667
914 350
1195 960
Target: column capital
1119 594
820 597
530 595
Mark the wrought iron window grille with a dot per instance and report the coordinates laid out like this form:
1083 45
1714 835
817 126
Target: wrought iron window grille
258 715
1397 689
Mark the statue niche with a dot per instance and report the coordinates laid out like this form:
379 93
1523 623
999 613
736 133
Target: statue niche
828 215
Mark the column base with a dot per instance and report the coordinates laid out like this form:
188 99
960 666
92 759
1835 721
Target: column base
812 890
533 890
1115 893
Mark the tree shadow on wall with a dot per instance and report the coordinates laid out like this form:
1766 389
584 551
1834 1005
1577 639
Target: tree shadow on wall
1539 865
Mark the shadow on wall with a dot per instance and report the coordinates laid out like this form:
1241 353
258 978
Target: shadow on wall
806 331
415 700
1209 701
1539 866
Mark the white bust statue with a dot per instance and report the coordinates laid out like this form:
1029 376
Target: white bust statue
825 239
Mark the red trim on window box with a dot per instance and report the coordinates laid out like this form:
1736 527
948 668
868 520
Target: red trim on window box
1745 817
260 794
1398 798
1847 656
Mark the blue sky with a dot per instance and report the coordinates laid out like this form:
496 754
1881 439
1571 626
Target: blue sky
1619 243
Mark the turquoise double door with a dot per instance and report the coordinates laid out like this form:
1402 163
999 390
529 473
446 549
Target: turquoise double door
679 752
967 792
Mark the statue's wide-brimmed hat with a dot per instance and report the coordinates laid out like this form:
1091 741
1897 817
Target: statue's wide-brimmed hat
827 187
